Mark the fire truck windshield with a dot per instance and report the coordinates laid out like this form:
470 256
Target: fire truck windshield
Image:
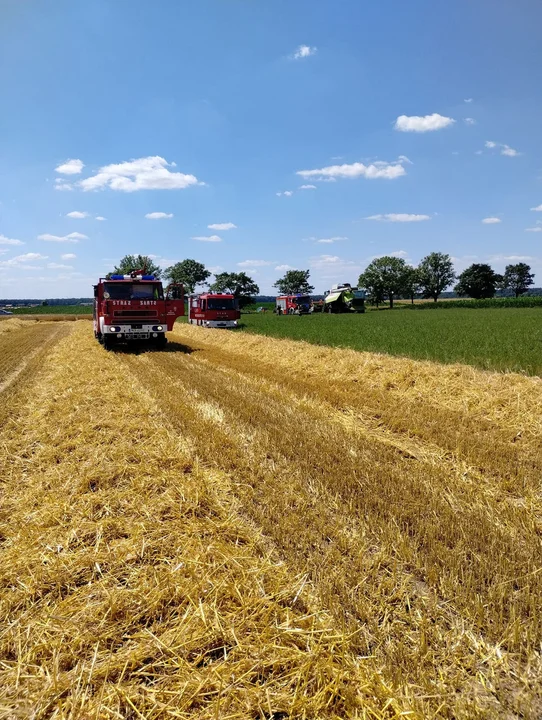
303 300
221 304
133 291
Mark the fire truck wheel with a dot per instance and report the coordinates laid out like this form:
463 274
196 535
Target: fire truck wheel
160 341
108 342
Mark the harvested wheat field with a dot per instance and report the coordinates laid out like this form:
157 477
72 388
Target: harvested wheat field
243 527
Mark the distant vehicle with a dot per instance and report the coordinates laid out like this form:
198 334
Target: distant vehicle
133 307
343 298
214 310
293 305
5 312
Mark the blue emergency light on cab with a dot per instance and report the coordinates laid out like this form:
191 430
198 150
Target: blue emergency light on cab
134 307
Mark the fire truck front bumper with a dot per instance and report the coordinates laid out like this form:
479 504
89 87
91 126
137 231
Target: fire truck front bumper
134 331
220 323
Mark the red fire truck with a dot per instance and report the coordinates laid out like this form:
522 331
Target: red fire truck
133 307
214 310
293 305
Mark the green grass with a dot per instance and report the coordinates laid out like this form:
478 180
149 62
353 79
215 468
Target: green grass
504 339
54 310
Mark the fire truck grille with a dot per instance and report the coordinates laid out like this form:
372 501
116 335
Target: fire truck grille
134 313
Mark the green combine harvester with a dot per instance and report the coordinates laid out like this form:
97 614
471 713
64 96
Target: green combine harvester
344 298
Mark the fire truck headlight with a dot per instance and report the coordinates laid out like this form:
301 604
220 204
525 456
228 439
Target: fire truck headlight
158 328
114 329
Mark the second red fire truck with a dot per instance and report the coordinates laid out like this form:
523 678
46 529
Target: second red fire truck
214 310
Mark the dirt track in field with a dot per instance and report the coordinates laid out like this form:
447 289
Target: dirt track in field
400 499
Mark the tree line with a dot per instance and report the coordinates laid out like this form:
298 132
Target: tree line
385 278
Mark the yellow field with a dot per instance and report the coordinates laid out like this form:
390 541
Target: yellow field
242 527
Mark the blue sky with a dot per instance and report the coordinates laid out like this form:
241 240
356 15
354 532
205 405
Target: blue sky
214 111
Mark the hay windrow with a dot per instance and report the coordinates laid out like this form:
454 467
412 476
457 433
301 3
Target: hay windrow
129 584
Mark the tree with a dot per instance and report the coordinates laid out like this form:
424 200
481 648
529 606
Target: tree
517 278
436 273
188 272
385 277
239 284
412 284
129 263
294 282
478 281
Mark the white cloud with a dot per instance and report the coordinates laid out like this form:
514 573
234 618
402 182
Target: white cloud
377 169
70 167
398 254
470 121
510 152
61 184
282 268
23 260
73 237
222 226
404 159
538 208
538 228
77 214
307 187
304 51
100 217
10 241
215 269
491 220
149 173
399 217
68 256
504 149
427 123
255 263
468 100
511 258
286 193
58 266
331 240
207 238
158 215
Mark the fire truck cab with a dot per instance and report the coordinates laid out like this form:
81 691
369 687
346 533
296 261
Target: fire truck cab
133 307
214 310
293 305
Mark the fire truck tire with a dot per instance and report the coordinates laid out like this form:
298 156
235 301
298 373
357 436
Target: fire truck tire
160 341
108 342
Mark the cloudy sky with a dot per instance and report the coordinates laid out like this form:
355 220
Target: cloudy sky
266 135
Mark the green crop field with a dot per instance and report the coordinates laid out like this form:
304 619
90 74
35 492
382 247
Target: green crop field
497 339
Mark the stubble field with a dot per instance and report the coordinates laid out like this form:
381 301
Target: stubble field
247 527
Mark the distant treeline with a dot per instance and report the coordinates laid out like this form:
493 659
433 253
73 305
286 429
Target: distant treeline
48 301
